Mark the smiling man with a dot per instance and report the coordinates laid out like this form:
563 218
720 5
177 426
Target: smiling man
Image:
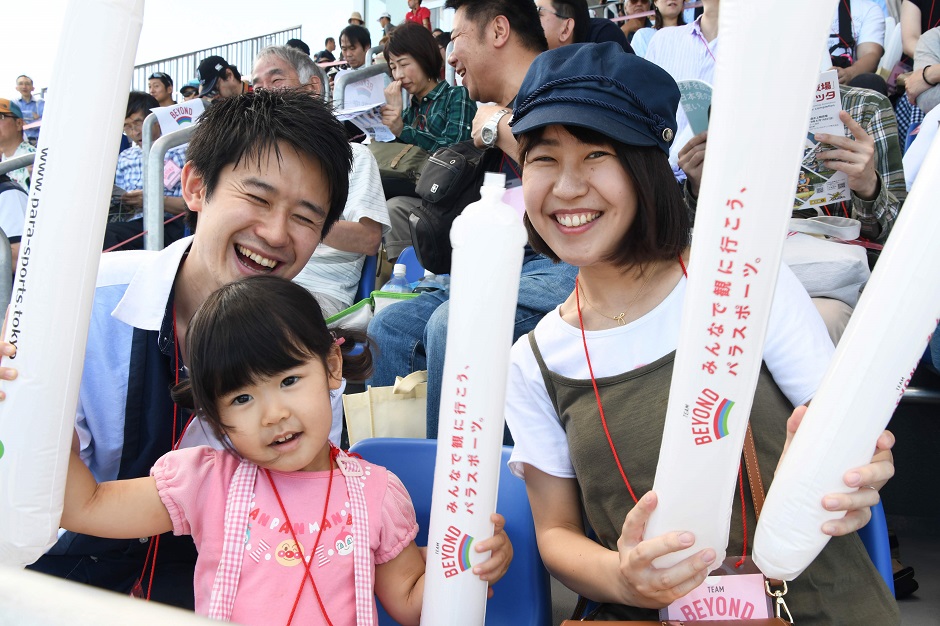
267 174
333 272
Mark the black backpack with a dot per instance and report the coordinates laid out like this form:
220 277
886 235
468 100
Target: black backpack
6 184
450 181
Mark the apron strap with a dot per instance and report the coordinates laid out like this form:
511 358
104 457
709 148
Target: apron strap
233 551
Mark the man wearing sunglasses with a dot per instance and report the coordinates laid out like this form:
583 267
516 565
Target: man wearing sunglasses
12 143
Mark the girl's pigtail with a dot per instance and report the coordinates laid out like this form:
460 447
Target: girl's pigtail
357 353
182 394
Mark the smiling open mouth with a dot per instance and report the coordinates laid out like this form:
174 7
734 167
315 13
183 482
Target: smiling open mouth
579 219
286 438
254 260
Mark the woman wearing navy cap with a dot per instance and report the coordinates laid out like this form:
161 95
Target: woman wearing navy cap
594 127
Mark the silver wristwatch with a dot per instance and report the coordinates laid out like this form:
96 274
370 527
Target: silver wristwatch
491 129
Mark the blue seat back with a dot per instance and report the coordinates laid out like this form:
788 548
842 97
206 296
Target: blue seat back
367 280
409 259
523 596
875 537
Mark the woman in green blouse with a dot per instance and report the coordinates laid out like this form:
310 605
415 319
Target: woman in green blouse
439 115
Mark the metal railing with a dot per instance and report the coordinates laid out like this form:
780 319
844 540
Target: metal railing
24 160
153 185
347 78
241 54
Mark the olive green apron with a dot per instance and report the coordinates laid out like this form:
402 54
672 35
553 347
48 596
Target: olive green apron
841 586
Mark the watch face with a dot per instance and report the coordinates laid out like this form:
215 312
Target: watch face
488 136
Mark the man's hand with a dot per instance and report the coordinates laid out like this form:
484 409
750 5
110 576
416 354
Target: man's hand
692 160
483 115
855 157
133 199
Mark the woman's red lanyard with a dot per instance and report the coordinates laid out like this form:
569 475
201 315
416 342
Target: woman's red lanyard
150 559
610 441
698 31
421 119
306 561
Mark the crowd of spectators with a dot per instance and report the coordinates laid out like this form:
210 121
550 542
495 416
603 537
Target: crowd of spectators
494 43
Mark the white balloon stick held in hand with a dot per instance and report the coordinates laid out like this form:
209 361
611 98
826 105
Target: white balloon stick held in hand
488 240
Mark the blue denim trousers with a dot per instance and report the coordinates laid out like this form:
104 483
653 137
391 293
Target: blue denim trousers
412 335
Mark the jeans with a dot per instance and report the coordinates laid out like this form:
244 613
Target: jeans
412 335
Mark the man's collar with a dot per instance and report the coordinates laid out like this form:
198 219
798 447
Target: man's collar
144 303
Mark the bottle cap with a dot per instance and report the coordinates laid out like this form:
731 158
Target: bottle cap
400 268
494 179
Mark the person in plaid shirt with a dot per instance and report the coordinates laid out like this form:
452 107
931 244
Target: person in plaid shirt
125 219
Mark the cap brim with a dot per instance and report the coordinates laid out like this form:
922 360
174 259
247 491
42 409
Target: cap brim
617 127
208 87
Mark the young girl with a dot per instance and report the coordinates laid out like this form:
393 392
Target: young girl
279 516
589 386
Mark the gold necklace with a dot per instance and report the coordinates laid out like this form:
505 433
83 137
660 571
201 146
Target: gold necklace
618 318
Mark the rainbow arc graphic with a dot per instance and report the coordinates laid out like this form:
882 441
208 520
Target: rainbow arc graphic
722 413
464 551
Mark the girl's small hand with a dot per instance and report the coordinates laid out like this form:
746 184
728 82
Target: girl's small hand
645 585
496 566
7 350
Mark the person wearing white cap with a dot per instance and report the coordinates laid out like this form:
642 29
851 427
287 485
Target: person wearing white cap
385 21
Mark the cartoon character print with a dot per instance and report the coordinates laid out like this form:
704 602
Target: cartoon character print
344 543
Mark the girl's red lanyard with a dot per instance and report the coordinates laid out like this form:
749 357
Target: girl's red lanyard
150 559
610 441
307 575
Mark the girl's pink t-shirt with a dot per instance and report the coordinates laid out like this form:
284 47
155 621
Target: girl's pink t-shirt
193 485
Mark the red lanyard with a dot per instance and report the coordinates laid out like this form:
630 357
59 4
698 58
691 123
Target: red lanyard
150 559
307 575
701 37
610 441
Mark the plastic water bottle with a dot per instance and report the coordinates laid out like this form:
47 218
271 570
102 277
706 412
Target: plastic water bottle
398 283
430 282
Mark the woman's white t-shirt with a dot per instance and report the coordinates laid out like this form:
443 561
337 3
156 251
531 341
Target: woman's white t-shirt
797 351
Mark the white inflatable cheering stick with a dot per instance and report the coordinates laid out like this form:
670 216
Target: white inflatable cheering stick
741 222
869 372
54 281
488 239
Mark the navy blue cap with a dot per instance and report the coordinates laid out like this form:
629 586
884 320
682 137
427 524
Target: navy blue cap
600 87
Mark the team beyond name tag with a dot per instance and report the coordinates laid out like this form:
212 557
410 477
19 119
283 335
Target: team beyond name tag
727 594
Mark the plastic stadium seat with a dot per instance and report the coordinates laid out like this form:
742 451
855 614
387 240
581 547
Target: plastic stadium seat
408 257
875 537
523 596
367 280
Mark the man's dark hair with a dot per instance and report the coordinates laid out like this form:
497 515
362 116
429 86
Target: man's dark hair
251 125
24 76
522 15
328 40
357 35
414 39
443 39
576 10
298 44
235 72
139 101
662 226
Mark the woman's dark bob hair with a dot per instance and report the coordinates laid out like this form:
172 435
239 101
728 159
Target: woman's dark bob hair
252 329
416 40
662 226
